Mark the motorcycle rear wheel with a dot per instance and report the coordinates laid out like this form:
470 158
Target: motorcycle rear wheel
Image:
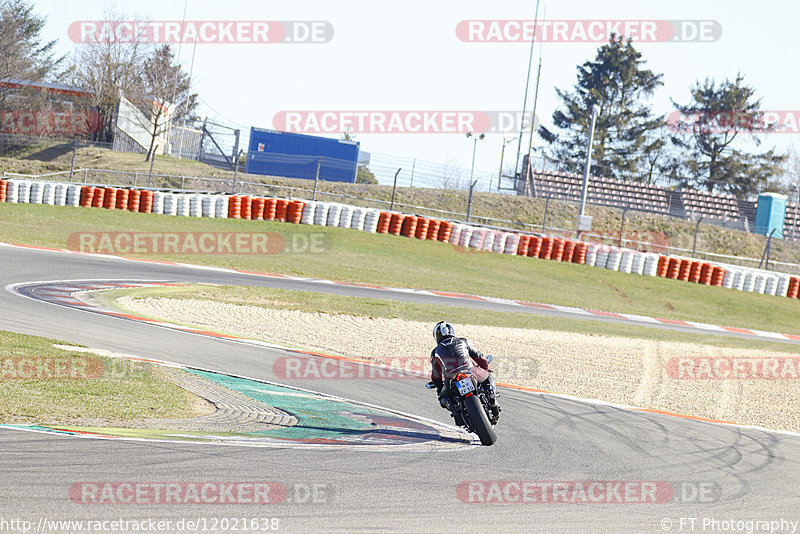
479 422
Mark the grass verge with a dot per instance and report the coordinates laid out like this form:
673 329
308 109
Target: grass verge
350 255
46 385
334 304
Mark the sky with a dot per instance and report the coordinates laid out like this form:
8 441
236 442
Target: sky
407 56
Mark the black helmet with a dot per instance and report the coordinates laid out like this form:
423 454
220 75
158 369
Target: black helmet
442 330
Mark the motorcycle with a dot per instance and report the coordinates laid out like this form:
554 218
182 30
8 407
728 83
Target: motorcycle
469 405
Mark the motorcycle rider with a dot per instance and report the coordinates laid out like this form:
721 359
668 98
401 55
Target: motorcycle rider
454 353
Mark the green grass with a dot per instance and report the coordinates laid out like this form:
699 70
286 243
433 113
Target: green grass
389 260
74 387
283 299
521 211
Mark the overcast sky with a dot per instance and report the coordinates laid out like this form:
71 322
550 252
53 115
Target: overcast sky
386 56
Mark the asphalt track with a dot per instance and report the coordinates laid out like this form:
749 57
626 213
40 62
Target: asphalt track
754 473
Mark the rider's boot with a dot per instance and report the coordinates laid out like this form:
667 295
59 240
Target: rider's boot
491 391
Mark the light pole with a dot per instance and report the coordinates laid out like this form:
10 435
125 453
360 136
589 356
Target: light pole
502 155
475 139
585 223
472 170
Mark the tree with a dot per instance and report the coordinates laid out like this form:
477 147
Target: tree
616 82
365 176
109 67
710 130
23 55
165 94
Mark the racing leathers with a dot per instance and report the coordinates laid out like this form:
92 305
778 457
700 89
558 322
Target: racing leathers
453 355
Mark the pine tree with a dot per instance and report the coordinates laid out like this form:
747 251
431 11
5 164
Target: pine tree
619 85
712 129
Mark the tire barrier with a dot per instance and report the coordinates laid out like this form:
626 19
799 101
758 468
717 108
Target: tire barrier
281 208
87 194
421 228
121 199
433 230
579 253
358 218
371 220
591 254
383 222
396 223
512 242
23 191
683 270
546 249
99 196
566 253
694 272
36 190
158 203
488 241
557 250
270 209
321 214
133 199
12 191
409 226
247 207
110 198
445 231
171 204
146 202
307 216
534 246
465 236
181 205
345 217
793 288
294 211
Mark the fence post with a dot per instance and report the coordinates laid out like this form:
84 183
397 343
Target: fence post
546 207
84 175
316 179
469 199
394 188
696 231
622 227
72 165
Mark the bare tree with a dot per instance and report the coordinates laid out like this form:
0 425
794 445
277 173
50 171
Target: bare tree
165 94
110 67
451 175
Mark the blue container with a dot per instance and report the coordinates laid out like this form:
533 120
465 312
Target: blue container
294 155
770 214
